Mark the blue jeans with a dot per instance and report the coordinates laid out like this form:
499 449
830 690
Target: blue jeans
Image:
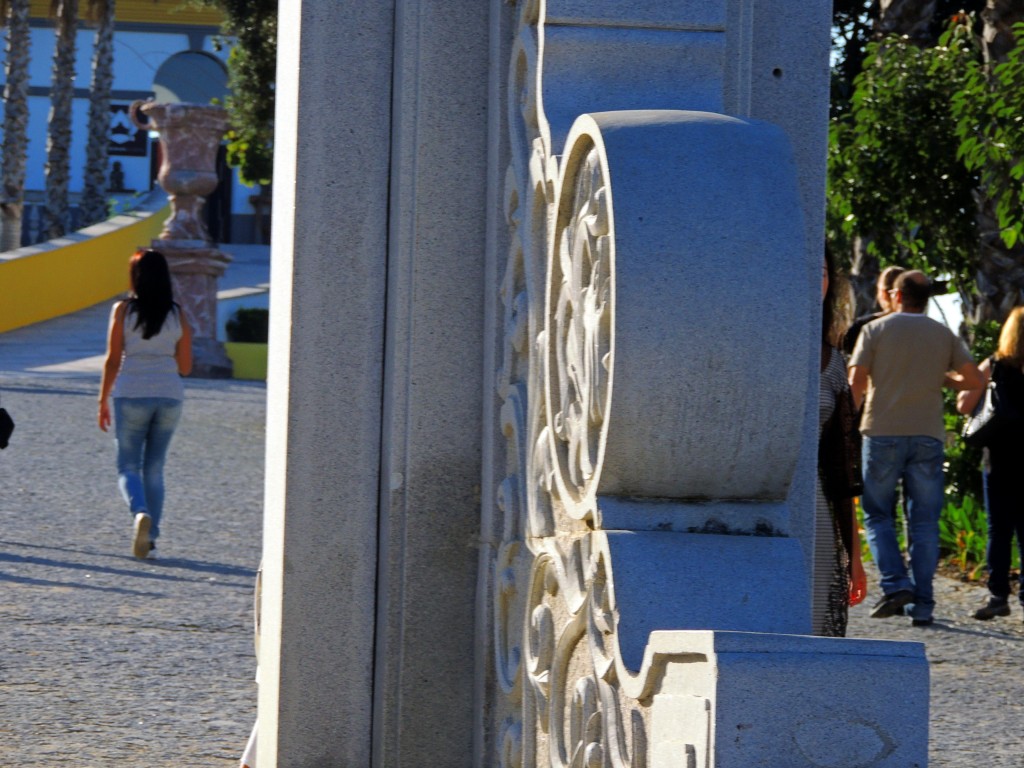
918 460
144 427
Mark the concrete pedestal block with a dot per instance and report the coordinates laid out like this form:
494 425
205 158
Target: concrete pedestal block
739 700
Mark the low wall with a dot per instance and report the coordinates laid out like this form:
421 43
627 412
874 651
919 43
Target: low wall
79 270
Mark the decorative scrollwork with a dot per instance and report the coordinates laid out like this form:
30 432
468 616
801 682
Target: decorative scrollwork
579 334
554 385
580 715
506 603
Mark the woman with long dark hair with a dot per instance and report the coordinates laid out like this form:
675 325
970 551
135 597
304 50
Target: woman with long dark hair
149 349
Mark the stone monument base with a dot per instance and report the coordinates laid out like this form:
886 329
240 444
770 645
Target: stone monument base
195 269
209 360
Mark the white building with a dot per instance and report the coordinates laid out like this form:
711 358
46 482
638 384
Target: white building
163 41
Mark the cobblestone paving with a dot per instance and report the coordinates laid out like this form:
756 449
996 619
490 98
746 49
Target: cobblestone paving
977 675
106 660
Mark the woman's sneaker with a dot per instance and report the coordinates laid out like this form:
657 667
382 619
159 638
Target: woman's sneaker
141 542
996 606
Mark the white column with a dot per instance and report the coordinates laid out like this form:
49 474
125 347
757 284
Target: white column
434 384
325 382
376 384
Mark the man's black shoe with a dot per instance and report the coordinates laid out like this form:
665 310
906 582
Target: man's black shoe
892 604
922 622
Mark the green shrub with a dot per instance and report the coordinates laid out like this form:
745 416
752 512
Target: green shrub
248 326
963 534
899 524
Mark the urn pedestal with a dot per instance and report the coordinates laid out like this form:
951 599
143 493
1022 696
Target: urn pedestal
190 135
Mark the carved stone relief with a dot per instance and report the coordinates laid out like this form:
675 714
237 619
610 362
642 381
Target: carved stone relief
553 605
632 489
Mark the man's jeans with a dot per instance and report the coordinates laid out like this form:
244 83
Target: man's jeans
918 461
144 427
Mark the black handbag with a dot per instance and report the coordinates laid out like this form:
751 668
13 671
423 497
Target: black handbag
994 415
6 427
839 451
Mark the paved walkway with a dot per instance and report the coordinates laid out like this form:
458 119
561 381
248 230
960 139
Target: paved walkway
977 675
108 661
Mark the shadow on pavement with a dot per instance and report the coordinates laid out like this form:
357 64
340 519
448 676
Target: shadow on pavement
32 582
184 564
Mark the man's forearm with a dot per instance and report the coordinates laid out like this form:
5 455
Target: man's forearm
961 382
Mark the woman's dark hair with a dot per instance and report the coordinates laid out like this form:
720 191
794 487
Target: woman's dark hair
152 295
836 307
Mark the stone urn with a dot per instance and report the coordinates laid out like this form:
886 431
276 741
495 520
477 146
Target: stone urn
190 136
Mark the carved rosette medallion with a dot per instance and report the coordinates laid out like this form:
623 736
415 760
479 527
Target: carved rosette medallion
579 335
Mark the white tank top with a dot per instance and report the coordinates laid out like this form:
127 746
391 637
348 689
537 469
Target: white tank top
148 368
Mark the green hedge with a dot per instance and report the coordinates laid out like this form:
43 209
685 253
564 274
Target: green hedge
248 326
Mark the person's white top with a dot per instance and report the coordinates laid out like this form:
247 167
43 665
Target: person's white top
149 368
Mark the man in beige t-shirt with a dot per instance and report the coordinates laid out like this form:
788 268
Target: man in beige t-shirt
901 363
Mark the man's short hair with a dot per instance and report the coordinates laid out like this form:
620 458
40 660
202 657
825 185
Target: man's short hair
915 289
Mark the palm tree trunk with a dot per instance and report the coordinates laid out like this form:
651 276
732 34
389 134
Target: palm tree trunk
58 141
94 191
15 144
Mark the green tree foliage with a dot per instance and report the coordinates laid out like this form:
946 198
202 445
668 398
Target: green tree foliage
894 167
989 115
251 73
855 23
930 137
851 32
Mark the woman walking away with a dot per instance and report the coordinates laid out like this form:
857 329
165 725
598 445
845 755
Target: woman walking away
149 348
1003 461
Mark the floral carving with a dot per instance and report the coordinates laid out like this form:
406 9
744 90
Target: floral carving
579 328
554 635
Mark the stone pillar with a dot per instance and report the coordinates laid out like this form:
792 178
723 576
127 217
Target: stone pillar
189 137
375 385
519 297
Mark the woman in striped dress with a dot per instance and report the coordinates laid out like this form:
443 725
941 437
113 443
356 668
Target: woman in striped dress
838 574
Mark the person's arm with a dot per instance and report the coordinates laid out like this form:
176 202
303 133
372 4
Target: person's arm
967 399
112 364
858 384
967 376
183 349
858 577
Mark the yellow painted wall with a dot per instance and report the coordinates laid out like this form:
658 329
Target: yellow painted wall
249 361
149 11
71 273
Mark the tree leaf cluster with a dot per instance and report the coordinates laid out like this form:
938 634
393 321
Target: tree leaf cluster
895 173
252 66
989 115
929 133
